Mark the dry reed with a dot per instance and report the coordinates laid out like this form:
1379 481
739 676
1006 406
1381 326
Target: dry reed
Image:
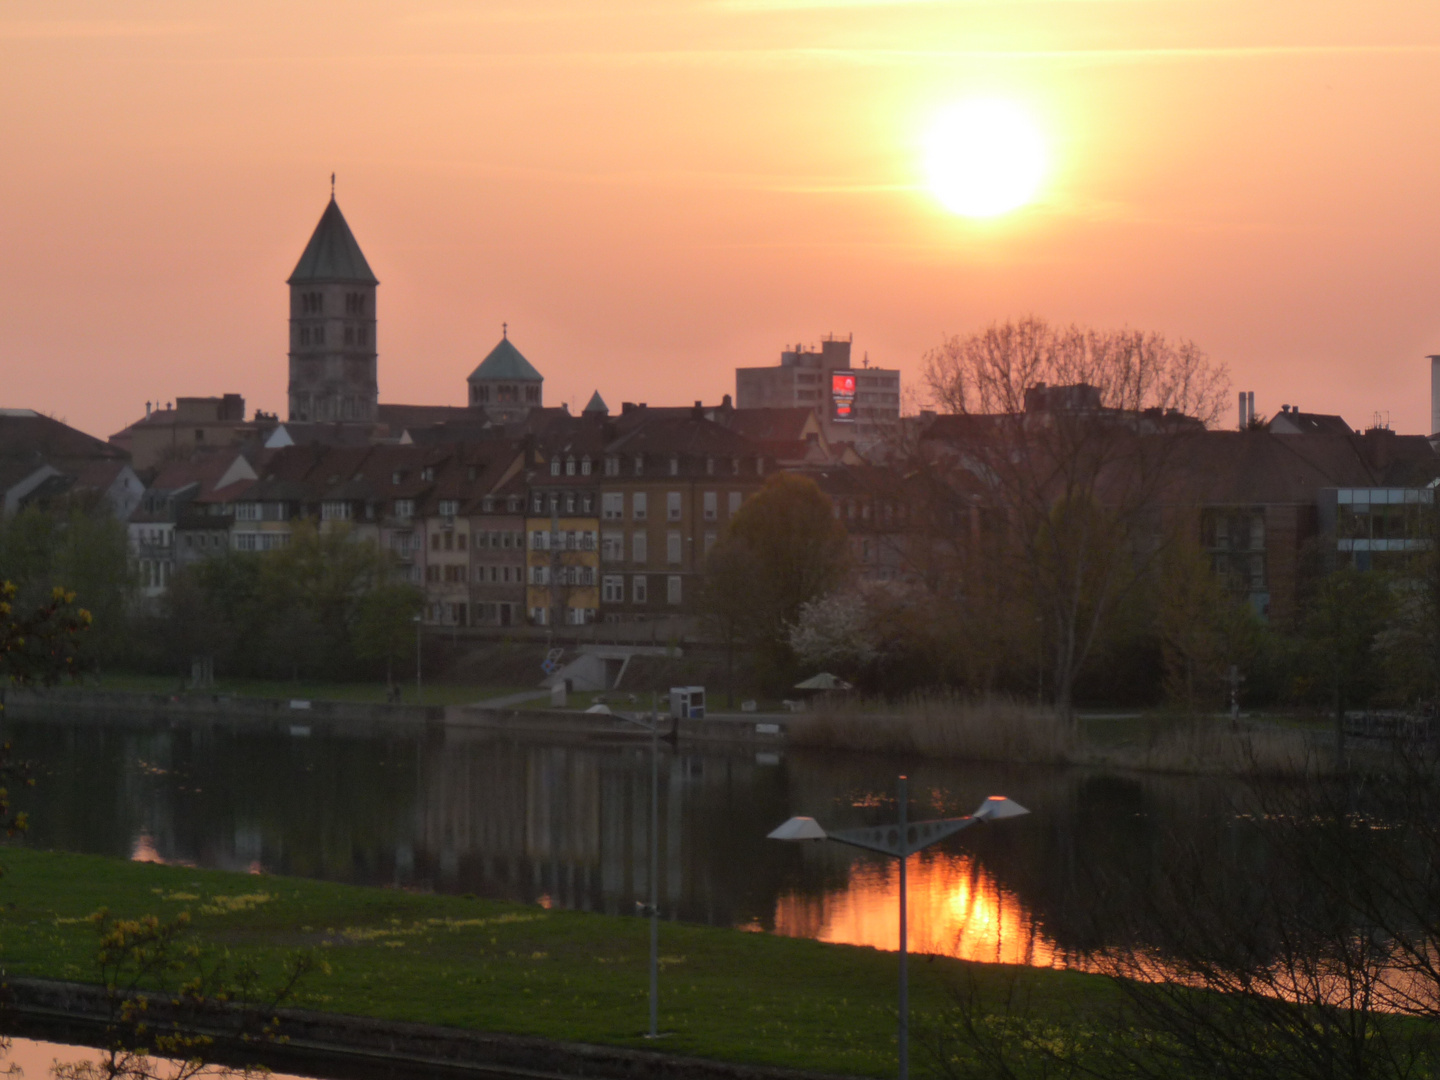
987 729
1000 729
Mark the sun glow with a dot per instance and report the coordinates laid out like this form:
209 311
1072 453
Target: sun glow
984 157
956 909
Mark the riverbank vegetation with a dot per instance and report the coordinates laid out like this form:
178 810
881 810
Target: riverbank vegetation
482 964
1003 730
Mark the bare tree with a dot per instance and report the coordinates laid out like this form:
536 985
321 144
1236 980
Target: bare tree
1072 436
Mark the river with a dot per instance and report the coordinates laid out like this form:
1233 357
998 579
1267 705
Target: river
567 824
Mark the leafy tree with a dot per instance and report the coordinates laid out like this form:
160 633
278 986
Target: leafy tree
1203 628
785 547
75 548
385 626
1073 445
1344 615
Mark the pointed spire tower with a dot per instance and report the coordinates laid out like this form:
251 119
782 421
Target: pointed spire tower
333 359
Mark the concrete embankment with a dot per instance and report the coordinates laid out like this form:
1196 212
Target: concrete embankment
302 718
356 1048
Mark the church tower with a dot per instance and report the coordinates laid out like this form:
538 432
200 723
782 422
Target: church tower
333 360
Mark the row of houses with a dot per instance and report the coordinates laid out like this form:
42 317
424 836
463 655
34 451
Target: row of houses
571 520
560 521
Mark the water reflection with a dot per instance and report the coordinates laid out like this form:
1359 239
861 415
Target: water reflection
567 825
955 907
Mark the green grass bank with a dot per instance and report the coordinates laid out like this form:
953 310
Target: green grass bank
493 966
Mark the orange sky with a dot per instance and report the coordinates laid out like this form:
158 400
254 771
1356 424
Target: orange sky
652 192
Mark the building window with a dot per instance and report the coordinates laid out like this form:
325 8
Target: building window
639 464
247 511
639 548
555 466
709 466
539 540
570 466
612 465
612 546
539 616
735 499
449 507
674 548
637 589
711 504
709 541
612 505
612 589
672 589
672 506
638 505
539 575
334 511
585 465
245 542
674 464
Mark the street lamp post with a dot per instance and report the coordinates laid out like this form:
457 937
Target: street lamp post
900 841
653 907
419 696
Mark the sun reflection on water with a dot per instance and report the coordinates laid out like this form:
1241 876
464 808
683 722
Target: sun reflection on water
956 908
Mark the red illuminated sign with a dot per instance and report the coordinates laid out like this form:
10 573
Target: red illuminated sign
842 395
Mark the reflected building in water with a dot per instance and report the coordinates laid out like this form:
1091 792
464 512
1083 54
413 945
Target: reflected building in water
568 825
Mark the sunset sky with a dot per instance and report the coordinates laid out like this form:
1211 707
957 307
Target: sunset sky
652 192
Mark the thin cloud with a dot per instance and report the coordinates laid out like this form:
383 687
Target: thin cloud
62 29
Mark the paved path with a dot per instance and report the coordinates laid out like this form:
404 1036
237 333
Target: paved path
510 700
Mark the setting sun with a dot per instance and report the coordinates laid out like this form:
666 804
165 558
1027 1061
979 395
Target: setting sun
983 158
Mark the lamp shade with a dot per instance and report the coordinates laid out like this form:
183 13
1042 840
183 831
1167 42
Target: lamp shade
998 807
798 828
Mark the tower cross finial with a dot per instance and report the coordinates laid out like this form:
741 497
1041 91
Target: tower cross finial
332 185
505 330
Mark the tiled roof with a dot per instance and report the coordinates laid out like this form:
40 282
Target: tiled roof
332 253
505 363
32 436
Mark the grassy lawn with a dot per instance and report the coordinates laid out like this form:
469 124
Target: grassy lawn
434 694
495 966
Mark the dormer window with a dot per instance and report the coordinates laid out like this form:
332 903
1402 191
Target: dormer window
404 509
487 505
674 464
427 474
555 466
396 477
470 473
449 507
585 465
512 504
709 466
612 465
735 466
759 466
570 466
639 464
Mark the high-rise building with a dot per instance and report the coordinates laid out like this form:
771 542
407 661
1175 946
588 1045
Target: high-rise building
333 358
854 404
